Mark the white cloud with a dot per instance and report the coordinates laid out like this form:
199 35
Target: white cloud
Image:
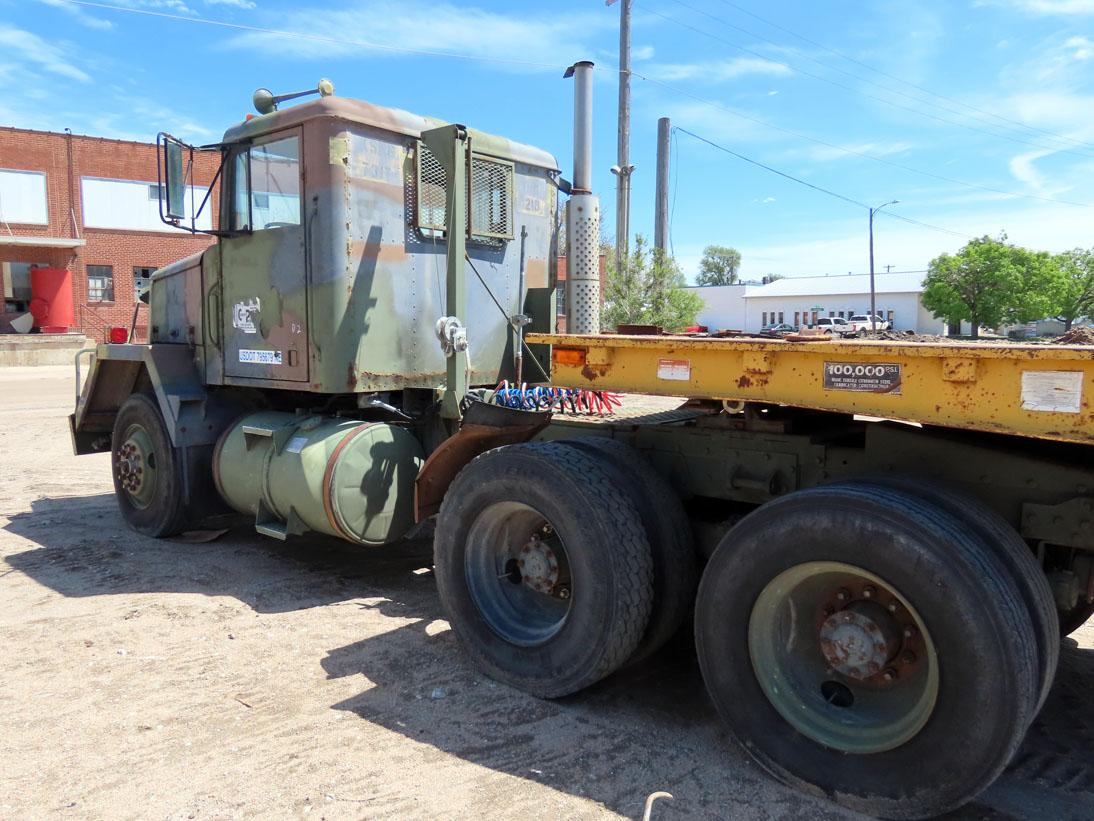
824 153
642 53
79 14
416 25
717 71
29 48
239 4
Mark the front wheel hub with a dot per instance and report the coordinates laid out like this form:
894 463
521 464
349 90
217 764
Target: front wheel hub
135 466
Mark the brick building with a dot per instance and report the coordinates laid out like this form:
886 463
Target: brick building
89 205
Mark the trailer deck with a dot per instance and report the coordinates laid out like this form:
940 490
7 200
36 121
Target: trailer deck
1040 391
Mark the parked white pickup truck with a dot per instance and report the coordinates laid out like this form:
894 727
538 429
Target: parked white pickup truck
859 324
835 325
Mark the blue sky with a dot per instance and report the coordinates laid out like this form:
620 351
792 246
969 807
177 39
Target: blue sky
977 115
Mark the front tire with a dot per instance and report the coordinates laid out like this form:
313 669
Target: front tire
543 568
904 701
147 469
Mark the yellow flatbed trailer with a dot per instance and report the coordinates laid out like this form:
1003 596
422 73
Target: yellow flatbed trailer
1041 391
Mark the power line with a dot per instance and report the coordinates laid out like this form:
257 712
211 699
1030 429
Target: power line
851 89
298 35
851 151
819 188
908 83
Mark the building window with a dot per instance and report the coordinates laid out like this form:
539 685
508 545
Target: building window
780 317
890 316
155 192
763 320
100 283
141 276
797 317
831 313
560 298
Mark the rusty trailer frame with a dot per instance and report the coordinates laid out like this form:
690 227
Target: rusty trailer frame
1040 391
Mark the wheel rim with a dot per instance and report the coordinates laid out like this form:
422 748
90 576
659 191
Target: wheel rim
518 573
136 466
843 657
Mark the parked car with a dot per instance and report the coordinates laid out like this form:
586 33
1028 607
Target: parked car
860 324
835 325
777 329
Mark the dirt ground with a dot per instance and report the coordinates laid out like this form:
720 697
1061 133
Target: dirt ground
247 677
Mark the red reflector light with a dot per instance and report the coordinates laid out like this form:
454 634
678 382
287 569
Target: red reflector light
119 336
574 357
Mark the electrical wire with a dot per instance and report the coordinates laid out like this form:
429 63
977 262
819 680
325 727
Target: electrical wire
908 83
850 151
818 188
882 100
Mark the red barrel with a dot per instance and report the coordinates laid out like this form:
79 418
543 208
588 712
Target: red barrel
51 300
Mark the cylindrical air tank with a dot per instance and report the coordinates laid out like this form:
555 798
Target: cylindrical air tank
345 478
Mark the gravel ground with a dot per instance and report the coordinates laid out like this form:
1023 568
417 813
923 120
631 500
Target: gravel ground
247 677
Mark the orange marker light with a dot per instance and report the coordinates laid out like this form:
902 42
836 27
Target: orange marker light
572 357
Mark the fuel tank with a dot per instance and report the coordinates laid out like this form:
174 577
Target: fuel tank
345 478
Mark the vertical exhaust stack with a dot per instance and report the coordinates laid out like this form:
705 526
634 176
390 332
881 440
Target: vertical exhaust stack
583 215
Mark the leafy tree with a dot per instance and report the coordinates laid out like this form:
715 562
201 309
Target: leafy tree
648 290
719 265
769 278
1076 292
989 282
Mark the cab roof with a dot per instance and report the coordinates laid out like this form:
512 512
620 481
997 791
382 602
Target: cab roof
388 119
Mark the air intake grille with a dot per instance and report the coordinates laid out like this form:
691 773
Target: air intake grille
489 209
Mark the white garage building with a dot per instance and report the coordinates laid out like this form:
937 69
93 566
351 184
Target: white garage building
802 300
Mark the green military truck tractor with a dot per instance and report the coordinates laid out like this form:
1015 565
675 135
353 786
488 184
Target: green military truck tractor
880 542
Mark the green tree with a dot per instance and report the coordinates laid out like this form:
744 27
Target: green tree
989 282
1076 293
719 265
649 290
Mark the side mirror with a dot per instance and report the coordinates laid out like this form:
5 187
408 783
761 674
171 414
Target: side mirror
176 174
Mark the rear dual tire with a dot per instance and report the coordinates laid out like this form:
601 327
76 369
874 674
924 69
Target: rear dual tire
970 692
543 568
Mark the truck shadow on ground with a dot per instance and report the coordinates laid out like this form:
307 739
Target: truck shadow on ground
646 728
87 550
655 722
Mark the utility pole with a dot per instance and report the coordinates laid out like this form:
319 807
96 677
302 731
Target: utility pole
661 209
873 291
623 168
888 269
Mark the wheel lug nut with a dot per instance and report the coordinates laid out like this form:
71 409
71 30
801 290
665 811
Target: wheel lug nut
889 675
909 631
843 594
892 606
829 610
869 592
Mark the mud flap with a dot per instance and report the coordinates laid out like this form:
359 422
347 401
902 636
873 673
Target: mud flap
484 427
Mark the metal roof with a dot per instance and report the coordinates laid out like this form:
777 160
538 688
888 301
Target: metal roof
42 242
902 283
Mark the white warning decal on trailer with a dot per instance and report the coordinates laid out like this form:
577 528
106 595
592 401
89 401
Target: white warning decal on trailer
675 369
1052 391
260 357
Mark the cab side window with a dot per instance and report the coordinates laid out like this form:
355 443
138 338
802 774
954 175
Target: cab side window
266 186
275 184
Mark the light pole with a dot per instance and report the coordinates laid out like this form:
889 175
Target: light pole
873 291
